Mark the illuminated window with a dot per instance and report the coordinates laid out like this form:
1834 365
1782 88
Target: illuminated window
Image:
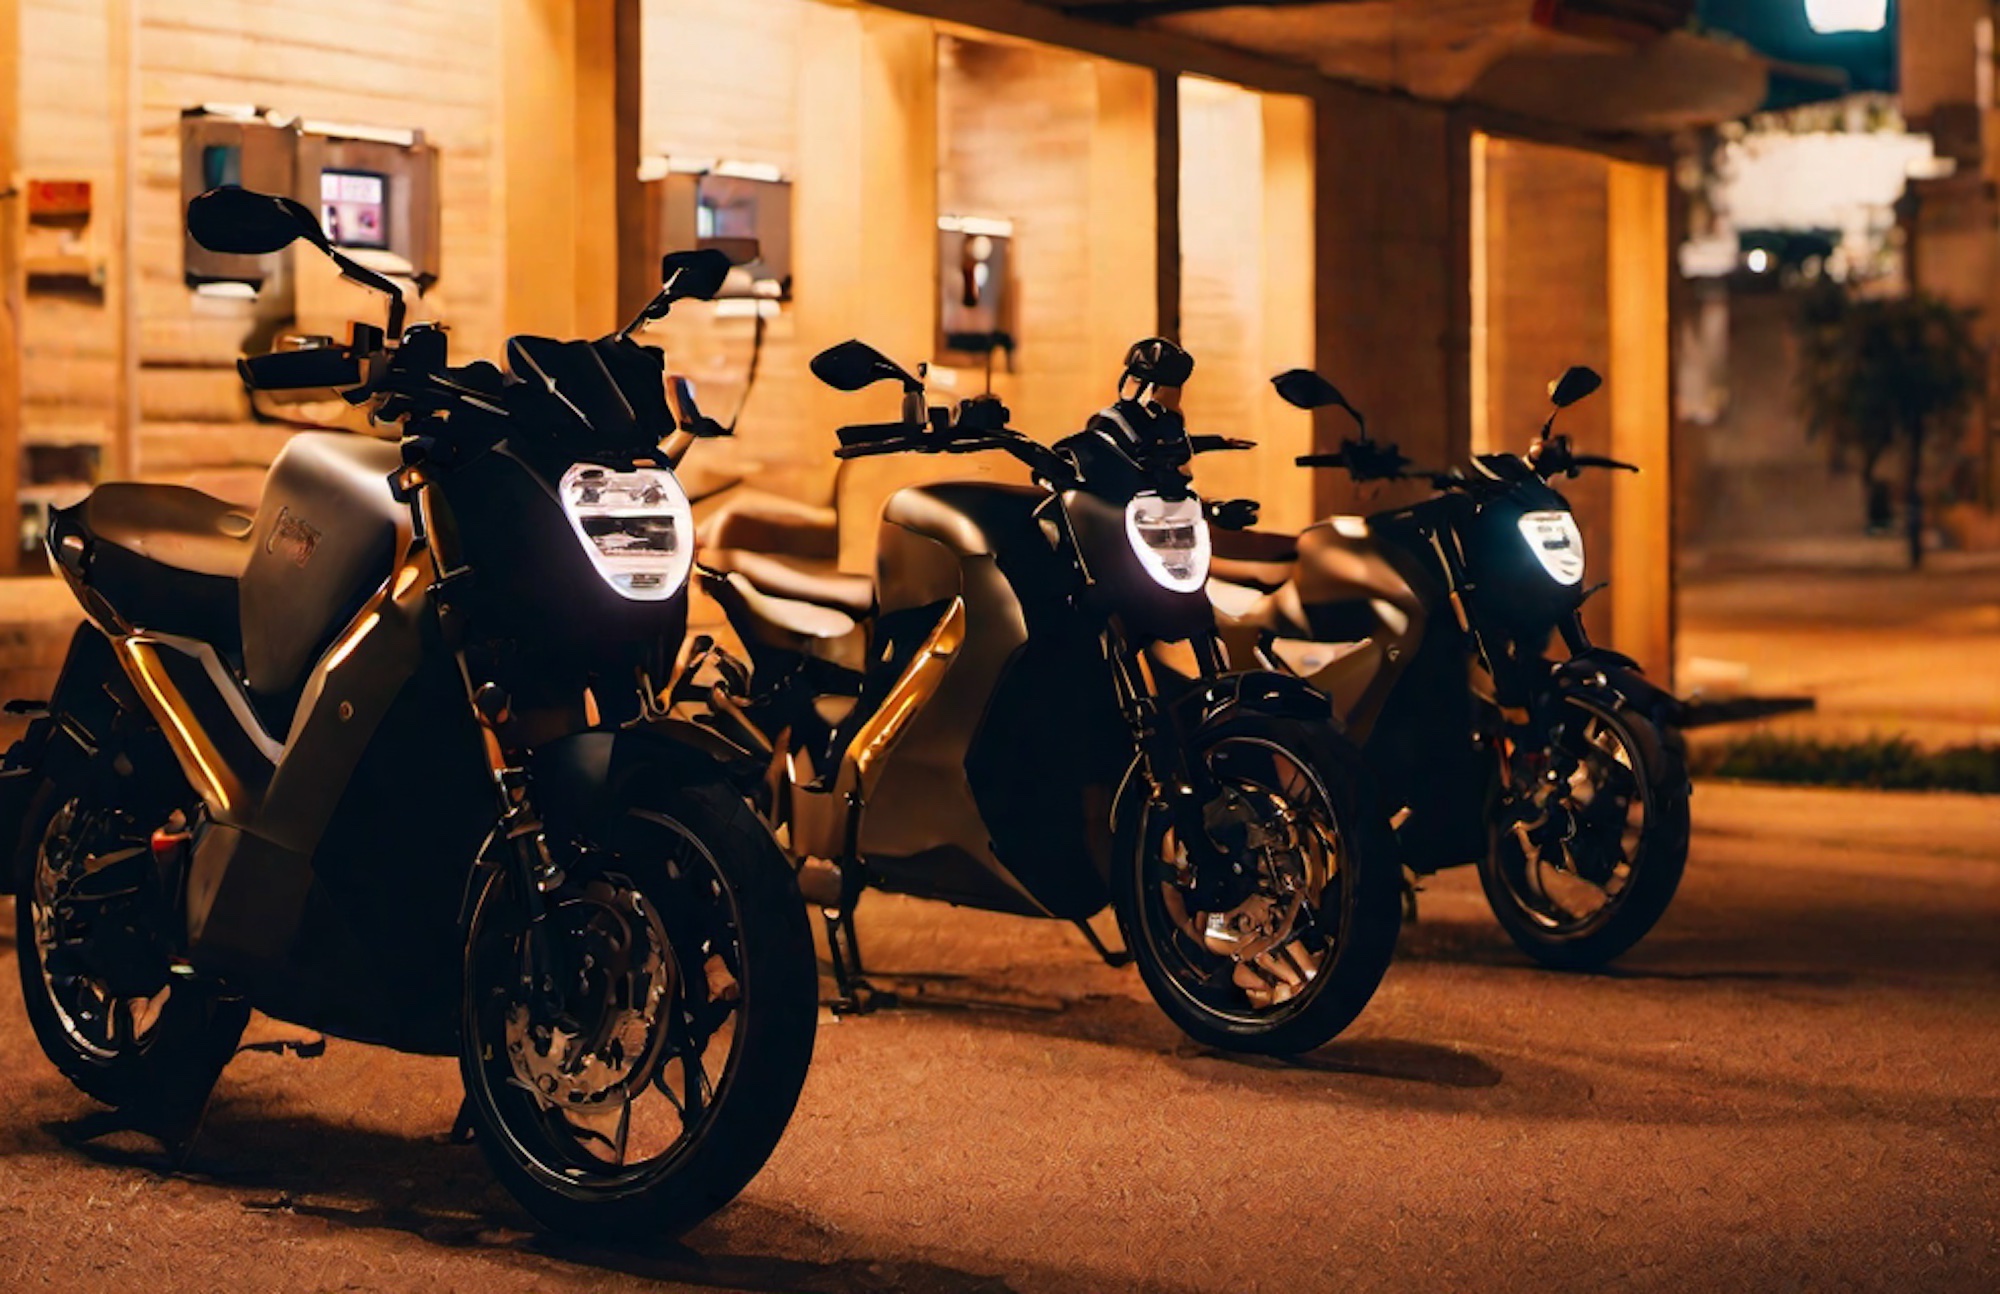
1847 15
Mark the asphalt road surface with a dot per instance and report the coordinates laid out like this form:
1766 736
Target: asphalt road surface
1794 1085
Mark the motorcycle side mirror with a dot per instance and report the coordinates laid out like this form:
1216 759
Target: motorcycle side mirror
1575 383
696 275
852 365
243 222
1304 389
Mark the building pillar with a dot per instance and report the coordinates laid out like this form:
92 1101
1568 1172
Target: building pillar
1391 315
1289 282
568 118
1639 386
11 208
1123 299
864 252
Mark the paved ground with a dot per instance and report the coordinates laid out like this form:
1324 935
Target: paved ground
1886 651
1794 1085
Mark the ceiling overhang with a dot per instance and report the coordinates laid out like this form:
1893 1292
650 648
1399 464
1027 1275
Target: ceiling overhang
1602 66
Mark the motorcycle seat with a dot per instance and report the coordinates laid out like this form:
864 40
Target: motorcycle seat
1256 559
160 557
851 595
172 525
1260 546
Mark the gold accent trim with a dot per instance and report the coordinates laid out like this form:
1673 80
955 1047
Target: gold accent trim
918 684
192 747
352 639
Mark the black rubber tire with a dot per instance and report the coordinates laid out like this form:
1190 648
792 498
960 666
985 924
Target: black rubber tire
1663 851
776 1024
197 1033
1366 946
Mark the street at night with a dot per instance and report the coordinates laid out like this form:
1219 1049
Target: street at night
1795 1083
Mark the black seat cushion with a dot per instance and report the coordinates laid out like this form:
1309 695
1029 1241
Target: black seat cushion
162 558
851 595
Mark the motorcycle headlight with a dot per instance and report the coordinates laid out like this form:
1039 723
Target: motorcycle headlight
1171 540
1554 539
637 528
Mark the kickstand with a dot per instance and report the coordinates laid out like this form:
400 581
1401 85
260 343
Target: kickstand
463 1132
1116 960
854 994
1411 888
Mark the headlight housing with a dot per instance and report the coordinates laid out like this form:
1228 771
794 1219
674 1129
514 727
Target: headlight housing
1555 540
1170 539
636 526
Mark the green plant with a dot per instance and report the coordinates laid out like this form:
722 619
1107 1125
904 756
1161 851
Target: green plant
1884 763
1882 373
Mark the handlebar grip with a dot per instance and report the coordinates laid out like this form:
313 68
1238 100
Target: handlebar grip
863 434
296 370
866 451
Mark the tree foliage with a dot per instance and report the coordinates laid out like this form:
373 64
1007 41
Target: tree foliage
1882 373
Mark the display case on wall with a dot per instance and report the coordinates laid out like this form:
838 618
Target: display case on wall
742 209
375 189
977 317
233 145
377 195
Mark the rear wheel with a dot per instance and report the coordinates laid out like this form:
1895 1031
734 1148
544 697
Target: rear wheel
91 934
636 1082
1284 953
1582 873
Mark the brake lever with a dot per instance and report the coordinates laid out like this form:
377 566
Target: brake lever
1211 444
1597 460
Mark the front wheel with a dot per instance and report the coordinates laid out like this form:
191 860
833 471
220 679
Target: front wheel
1589 845
629 1072
1283 951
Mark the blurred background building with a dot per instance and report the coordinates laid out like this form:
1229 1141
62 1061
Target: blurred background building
1440 203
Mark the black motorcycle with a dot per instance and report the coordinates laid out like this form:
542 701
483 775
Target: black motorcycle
388 759
1430 627
983 723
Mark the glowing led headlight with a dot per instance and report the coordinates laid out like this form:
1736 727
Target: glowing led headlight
637 528
1171 540
1556 541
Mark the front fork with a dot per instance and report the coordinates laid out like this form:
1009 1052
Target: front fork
1181 786
519 829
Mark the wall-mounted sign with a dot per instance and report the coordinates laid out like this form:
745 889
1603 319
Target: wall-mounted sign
54 200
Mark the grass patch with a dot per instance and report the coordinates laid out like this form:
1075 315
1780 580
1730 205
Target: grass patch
1882 763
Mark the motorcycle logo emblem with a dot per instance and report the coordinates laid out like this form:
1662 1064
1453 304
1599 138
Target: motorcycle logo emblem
292 537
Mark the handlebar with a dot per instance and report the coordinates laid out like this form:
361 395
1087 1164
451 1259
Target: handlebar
1594 460
867 439
299 370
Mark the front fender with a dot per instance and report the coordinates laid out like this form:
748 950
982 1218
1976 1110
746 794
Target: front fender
1615 678
586 780
1210 702
1265 692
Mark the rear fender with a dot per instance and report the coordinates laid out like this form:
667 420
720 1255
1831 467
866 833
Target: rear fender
62 744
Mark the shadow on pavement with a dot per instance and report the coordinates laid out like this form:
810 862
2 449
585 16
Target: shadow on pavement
349 1177
1118 1021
